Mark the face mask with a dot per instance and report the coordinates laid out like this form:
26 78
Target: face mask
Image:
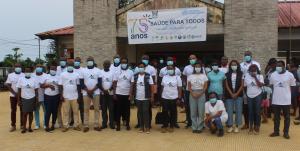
192 61
169 63
27 75
215 68
18 70
123 66
62 63
39 70
52 72
117 60
207 70
198 70
141 70
213 100
70 69
90 63
170 72
247 58
161 61
234 68
77 64
146 62
279 69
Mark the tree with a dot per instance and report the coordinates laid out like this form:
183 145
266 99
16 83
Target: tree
17 56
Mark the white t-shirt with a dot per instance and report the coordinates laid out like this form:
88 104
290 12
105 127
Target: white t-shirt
245 66
189 70
28 87
123 78
59 70
69 81
213 110
164 72
224 69
114 69
252 89
171 84
40 80
233 80
90 78
197 81
282 87
13 79
52 80
140 87
148 69
107 79
79 71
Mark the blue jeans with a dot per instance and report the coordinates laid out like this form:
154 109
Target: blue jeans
37 113
254 105
217 122
237 106
197 108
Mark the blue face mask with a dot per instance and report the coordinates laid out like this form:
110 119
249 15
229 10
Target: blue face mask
169 63
77 64
146 62
39 70
279 69
171 72
213 100
192 61
18 70
141 70
90 63
247 58
52 72
123 66
117 60
62 63
70 68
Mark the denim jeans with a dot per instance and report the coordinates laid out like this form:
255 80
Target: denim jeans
217 122
254 106
37 113
197 108
237 106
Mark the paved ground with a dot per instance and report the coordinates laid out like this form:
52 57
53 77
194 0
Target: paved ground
109 140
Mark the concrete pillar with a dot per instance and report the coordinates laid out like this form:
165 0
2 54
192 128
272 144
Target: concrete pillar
251 25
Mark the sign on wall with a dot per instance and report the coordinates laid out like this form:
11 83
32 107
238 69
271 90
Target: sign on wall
167 26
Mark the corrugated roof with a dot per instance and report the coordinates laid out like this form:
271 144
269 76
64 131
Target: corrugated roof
289 14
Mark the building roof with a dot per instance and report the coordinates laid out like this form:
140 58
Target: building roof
56 32
289 14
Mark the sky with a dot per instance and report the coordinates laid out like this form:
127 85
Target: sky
21 19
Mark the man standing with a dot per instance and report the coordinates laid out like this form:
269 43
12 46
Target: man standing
62 66
282 81
79 70
164 71
224 65
69 85
91 93
11 84
116 64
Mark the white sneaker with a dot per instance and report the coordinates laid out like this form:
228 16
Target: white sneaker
229 130
36 127
236 130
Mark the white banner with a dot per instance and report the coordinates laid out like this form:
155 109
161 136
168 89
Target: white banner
167 26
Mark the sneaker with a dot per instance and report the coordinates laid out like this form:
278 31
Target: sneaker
274 134
65 129
77 128
147 131
86 129
286 136
236 130
229 130
36 127
12 129
141 130
164 130
97 128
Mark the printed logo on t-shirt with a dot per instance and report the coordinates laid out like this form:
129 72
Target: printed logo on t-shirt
253 84
72 82
141 84
92 76
28 86
171 85
107 80
54 82
125 78
280 84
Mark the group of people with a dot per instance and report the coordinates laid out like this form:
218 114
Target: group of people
212 94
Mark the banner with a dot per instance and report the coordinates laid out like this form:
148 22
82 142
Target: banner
167 26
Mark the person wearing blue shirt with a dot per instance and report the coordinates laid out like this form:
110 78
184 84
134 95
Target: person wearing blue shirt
216 78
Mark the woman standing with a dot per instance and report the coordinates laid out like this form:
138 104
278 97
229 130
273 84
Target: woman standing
254 82
142 88
171 93
197 83
27 97
121 84
52 97
216 79
234 85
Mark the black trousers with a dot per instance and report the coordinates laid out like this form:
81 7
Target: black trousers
245 113
286 114
169 113
13 112
122 109
51 104
107 103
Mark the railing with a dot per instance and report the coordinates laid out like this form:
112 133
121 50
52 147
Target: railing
123 3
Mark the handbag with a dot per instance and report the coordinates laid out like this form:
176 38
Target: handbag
159 118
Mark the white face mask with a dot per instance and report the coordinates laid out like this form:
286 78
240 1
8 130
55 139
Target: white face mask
197 70
215 68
